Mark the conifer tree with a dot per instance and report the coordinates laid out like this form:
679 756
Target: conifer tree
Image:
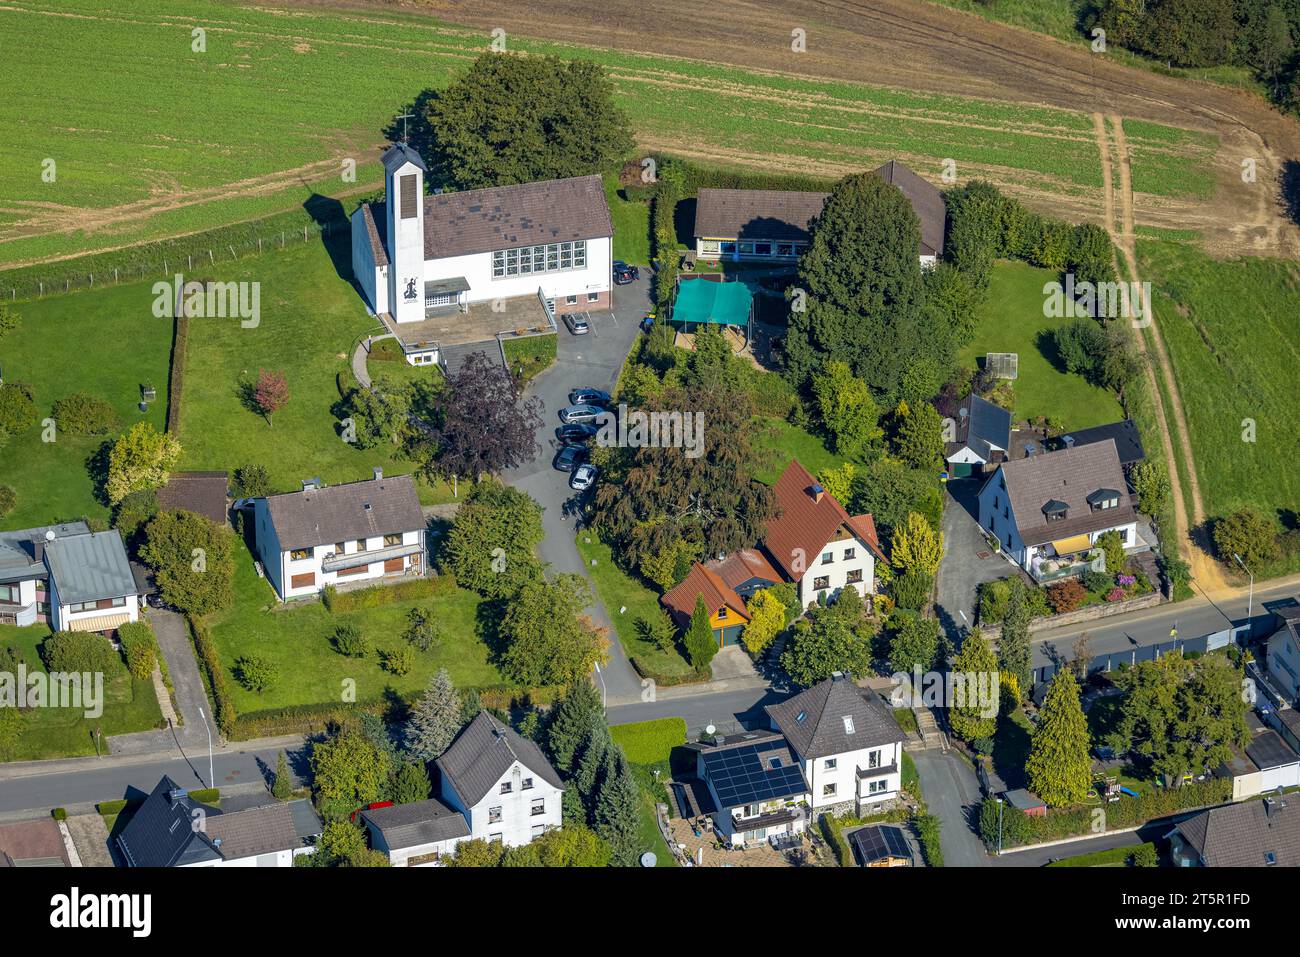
1058 768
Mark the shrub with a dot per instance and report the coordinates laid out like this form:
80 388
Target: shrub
1095 581
206 652
1248 534
399 659
410 590
927 829
8 499
17 407
139 648
1066 595
134 512
1144 856
256 673
60 814
76 651
350 642
251 481
85 414
421 630
912 590
1116 594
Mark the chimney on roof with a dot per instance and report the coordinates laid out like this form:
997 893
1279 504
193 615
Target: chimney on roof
816 491
379 473
1030 449
38 549
837 676
175 794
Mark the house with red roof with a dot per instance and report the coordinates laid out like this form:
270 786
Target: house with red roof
812 542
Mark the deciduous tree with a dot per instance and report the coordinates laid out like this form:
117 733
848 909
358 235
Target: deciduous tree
271 394
192 559
140 459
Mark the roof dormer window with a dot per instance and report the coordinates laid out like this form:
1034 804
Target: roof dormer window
1056 511
1103 498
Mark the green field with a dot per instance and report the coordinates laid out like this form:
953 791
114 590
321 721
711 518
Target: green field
107 343
129 119
129 705
297 639
1232 329
1011 320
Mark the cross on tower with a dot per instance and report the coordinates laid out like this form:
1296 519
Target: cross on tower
404 117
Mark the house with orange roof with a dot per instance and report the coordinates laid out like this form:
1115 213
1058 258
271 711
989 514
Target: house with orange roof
812 542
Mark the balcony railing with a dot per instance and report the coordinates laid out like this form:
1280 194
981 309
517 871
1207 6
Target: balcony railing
880 772
1054 569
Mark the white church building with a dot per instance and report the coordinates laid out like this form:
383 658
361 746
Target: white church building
414 255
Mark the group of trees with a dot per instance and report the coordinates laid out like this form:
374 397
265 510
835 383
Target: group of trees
543 635
833 637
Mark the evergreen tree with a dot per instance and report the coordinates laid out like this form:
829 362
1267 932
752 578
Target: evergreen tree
969 720
411 783
701 645
1058 767
617 810
919 442
574 715
435 720
282 786
590 769
1014 654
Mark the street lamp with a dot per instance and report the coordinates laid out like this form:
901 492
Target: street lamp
999 800
1250 602
212 780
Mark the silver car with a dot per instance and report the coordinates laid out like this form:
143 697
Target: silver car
577 325
580 413
583 477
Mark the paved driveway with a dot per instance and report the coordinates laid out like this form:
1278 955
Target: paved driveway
962 571
952 794
593 361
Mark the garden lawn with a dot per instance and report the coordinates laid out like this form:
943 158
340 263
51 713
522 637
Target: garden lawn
297 639
129 705
310 321
618 590
650 742
1011 320
531 355
631 220
778 442
106 343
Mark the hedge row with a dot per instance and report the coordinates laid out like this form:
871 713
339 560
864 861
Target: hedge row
695 177
411 590
649 742
668 681
176 381
215 678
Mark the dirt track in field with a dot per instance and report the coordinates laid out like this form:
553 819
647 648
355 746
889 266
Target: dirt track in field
915 45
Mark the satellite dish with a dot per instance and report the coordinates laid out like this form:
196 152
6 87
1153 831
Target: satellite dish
710 729
648 859
49 534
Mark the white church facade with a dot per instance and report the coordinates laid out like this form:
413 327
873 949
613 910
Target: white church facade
414 254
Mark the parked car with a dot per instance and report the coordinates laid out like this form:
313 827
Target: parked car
576 433
570 457
624 274
589 397
580 413
583 477
577 325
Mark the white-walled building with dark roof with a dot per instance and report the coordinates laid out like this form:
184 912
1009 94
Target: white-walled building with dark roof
339 535
413 254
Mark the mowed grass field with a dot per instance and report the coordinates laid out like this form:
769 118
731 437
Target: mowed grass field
152 138
1232 329
106 342
1011 320
297 639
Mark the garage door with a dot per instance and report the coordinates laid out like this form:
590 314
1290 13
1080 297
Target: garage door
731 636
962 469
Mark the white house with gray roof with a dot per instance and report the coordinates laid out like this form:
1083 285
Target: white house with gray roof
414 254
419 834
846 742
361 531
67 577
501 783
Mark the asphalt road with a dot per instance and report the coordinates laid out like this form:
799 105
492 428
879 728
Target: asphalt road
590 361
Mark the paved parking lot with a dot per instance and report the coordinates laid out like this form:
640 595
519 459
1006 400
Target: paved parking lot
590 361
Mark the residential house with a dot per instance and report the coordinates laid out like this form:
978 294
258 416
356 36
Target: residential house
1284 651
414 254
417 834
1265 764
1047 511
67 577
362 531
846 742
171 829
203 493
725 585
1250 834
36 843
501 783
771 225
816 544
882 845
755 787
1128 443
982 437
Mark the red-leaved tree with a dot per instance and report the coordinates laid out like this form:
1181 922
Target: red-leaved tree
271 393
